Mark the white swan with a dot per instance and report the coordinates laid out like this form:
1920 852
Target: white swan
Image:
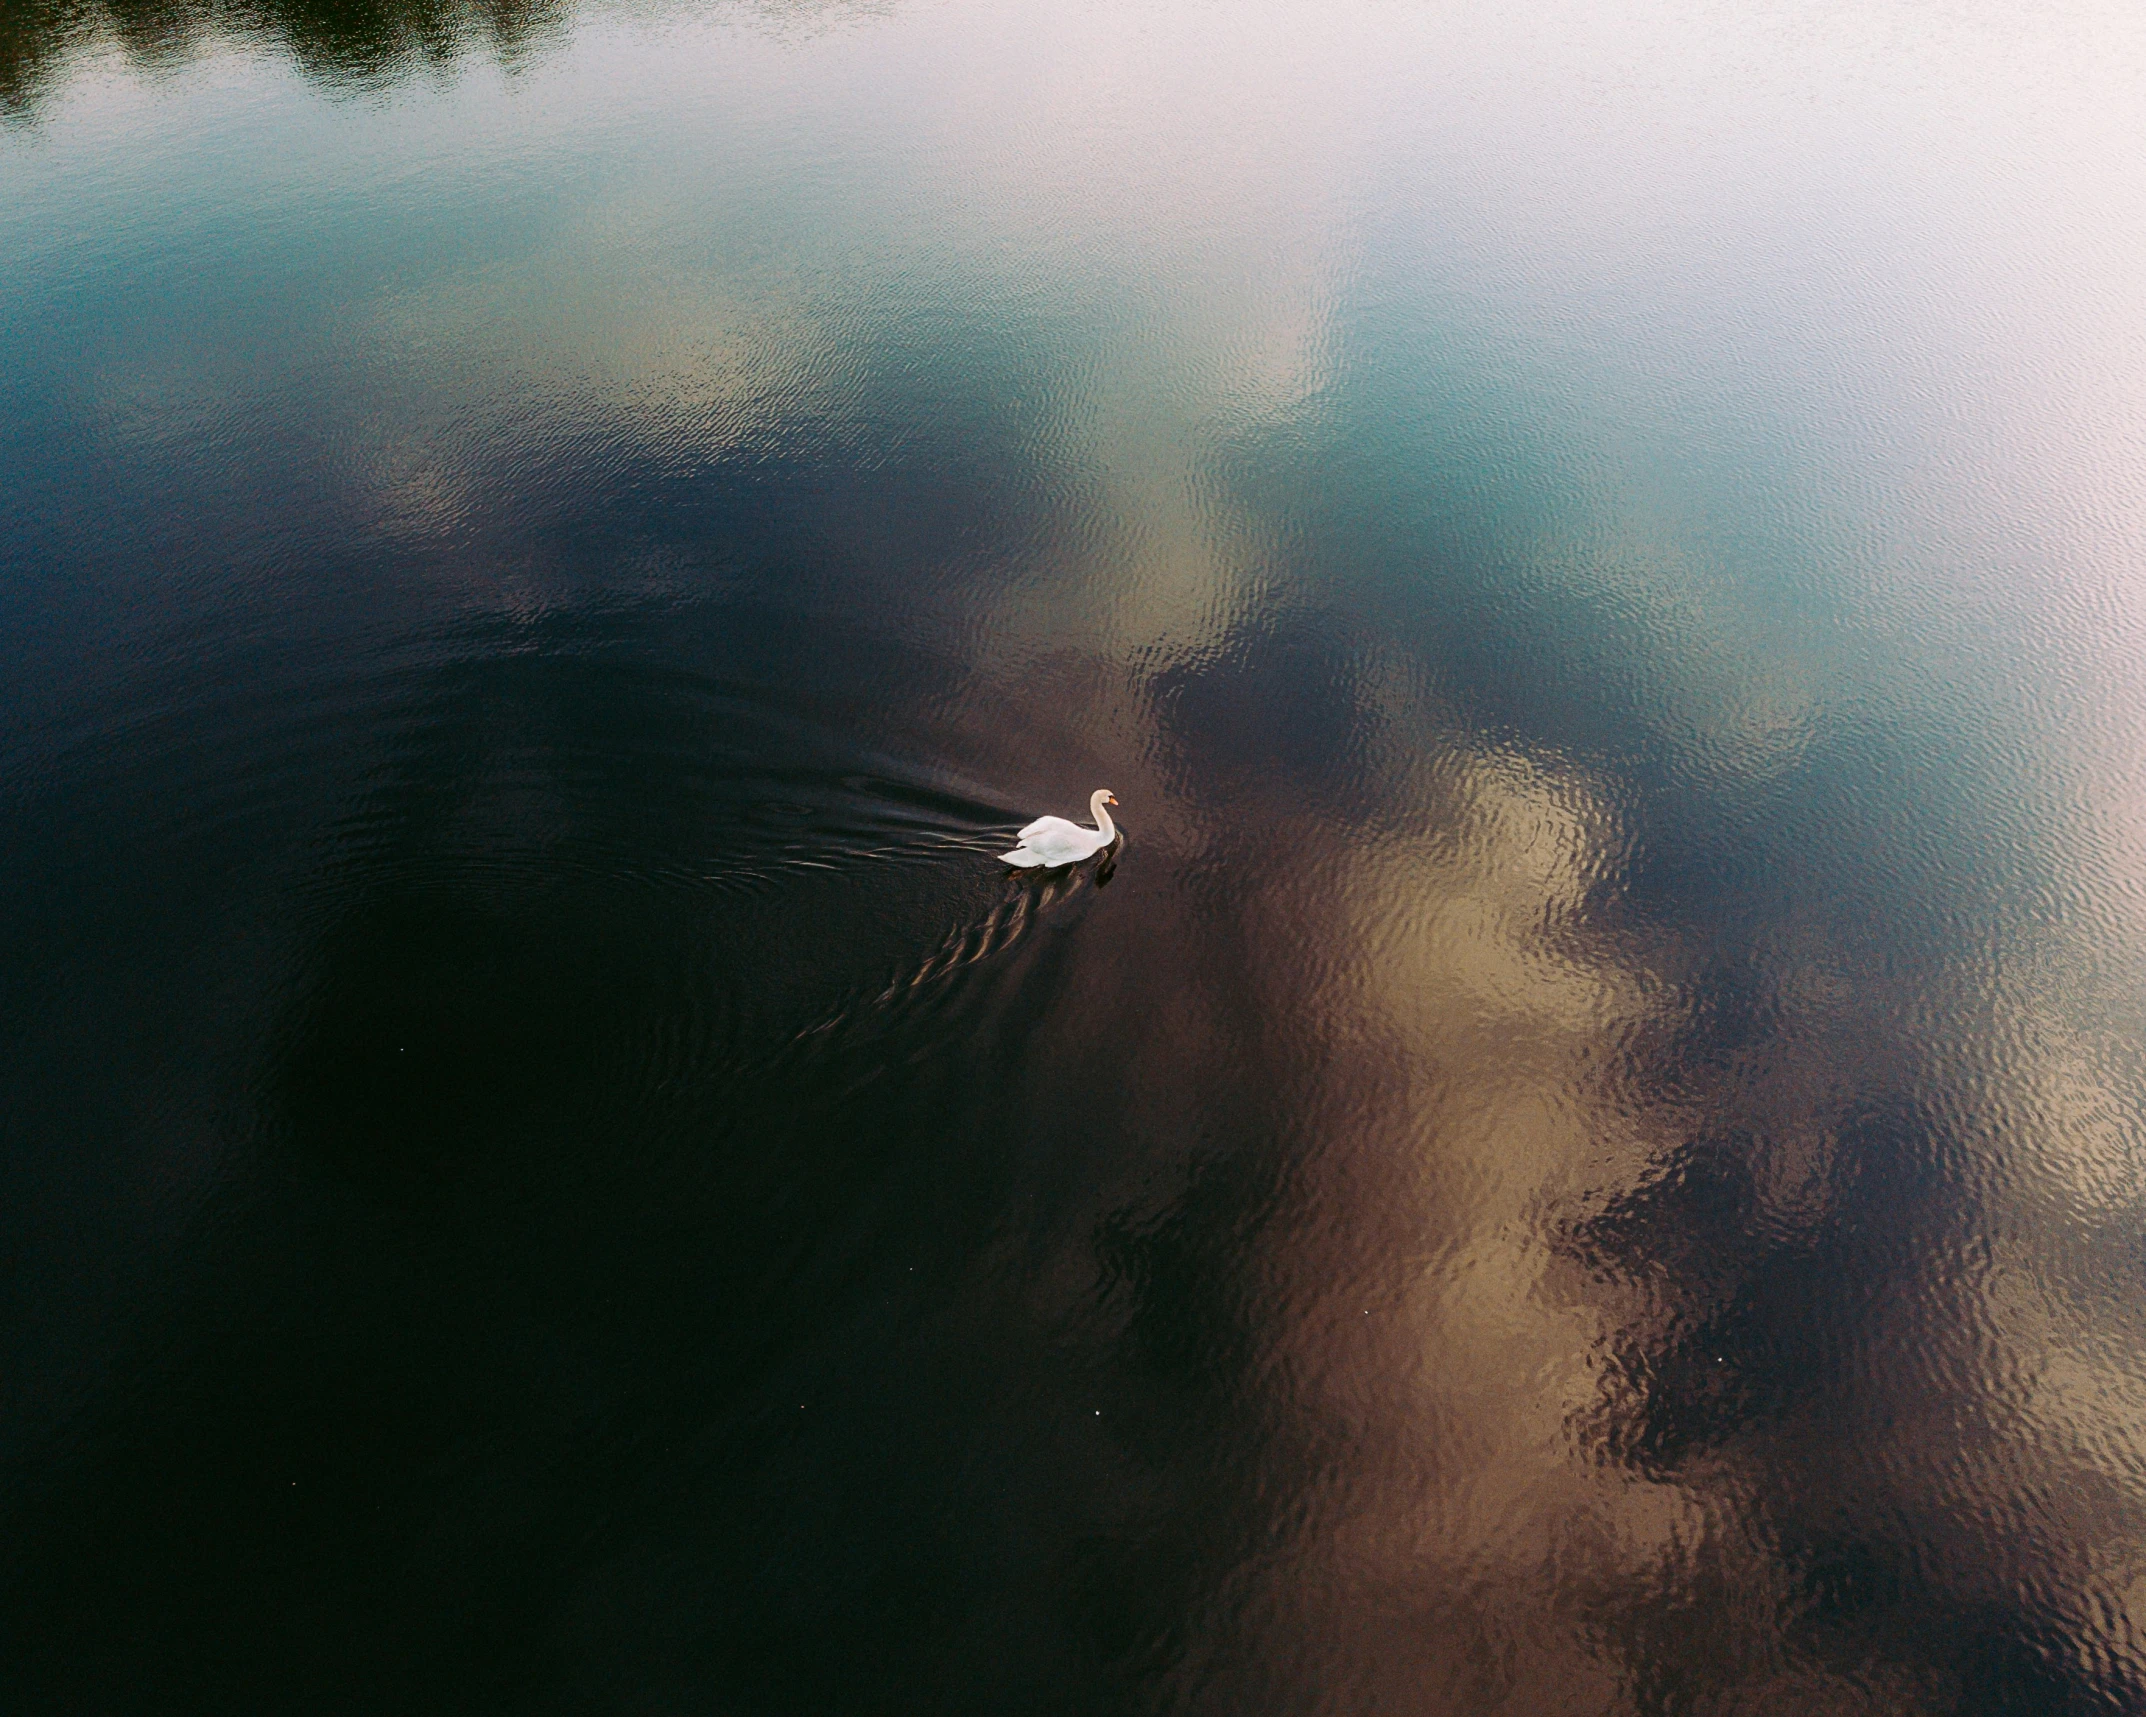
1052 841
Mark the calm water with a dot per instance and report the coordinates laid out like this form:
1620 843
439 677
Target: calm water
1589 1154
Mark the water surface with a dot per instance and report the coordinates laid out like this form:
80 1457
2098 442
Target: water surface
1588 1155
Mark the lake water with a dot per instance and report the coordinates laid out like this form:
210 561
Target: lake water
1588 1153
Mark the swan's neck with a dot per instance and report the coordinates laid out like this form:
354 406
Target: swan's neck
1102 818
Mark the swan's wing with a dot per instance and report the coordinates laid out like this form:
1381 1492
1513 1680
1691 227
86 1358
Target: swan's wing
1066 843
1054 841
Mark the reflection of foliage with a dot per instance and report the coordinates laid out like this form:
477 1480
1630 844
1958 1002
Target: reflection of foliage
338 41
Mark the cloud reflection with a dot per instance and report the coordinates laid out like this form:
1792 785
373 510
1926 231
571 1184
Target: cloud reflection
1589 1159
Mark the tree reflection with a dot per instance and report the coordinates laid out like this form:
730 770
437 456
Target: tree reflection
339 42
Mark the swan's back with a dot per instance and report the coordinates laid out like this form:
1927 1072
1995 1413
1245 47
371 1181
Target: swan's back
1054 841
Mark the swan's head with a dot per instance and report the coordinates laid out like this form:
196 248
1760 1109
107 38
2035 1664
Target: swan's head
1109 798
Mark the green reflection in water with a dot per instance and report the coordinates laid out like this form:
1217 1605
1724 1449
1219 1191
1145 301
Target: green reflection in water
370 42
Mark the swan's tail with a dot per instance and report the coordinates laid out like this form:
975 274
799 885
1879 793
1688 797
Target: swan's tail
1021 858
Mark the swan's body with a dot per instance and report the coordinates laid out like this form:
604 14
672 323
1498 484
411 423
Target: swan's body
1052 841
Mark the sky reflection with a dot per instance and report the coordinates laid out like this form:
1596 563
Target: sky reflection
1588 1158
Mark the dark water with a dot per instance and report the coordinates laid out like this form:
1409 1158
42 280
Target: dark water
1588 1157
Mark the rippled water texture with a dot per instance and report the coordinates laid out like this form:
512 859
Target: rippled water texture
1588 1156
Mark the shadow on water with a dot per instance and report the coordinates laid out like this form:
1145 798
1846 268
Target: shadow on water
545 1161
